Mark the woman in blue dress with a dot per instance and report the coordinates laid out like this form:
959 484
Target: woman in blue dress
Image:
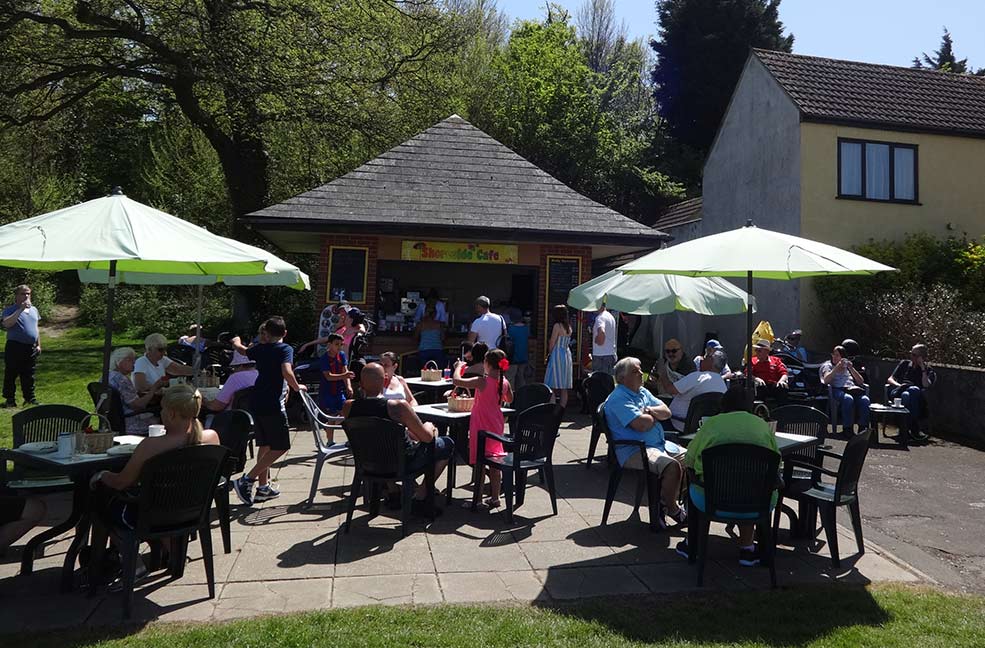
559 370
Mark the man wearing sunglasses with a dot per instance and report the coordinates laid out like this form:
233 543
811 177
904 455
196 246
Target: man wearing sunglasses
674 365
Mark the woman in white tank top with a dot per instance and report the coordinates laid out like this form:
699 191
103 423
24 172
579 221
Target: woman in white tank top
394 386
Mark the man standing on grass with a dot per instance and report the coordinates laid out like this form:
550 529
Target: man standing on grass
275 373
20 321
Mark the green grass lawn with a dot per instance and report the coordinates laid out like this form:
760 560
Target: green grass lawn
849 617
67 364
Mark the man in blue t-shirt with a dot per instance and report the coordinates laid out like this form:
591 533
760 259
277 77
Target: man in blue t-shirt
275 373
634 414
20 321
519 332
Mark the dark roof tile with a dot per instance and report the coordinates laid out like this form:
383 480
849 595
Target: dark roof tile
880 95
682 213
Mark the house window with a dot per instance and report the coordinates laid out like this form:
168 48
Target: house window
881 171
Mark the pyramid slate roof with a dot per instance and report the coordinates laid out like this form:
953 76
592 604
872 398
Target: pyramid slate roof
682 213
880 96
454 180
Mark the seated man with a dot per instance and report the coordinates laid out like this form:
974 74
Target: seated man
733 425
797 350
711 347
422 438
847 389
908 382
769 372
708 379
244 374
634 414
18 515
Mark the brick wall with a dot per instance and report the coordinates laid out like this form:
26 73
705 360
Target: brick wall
321 281
585 253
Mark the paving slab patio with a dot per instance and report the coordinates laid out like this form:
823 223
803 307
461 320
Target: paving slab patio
289 556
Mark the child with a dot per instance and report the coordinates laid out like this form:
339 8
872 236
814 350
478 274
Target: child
491 390
275 373
335 385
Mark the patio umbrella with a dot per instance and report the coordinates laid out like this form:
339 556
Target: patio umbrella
658 294
117 235
753 253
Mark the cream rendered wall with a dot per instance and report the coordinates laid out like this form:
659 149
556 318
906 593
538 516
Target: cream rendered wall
951 186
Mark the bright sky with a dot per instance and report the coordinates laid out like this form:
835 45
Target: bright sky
874 31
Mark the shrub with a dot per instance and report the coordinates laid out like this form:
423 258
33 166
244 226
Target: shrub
937 297
141 310
42 288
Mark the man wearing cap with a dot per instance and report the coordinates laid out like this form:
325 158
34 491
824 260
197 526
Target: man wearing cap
796 350
769 372
243 375
488 327
711 346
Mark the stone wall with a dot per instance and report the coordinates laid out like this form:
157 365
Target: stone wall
957 401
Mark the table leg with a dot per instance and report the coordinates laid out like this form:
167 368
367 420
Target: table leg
34 544
80 511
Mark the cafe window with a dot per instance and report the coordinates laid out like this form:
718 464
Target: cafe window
880 171
347 271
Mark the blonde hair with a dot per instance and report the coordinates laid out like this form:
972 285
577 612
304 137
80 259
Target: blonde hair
155 341
119 355
185 402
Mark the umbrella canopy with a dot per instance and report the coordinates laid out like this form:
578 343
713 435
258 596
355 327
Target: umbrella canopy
277 273
753 253
764 253
657 294
93 234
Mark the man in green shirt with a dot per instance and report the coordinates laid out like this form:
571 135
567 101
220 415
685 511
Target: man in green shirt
733 425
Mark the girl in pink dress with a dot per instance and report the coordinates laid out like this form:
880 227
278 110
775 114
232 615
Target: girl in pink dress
491 390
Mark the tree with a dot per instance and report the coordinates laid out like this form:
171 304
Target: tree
599 32
701 49
945 60
234 68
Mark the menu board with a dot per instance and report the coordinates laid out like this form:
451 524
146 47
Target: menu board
347 269
563 274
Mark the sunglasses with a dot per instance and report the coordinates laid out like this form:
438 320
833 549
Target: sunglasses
671 350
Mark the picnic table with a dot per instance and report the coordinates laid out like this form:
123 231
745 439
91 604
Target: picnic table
433 388
80 469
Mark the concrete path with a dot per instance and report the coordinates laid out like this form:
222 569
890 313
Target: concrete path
287 556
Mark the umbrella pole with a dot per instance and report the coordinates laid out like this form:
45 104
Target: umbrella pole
750 382
108 339
197 362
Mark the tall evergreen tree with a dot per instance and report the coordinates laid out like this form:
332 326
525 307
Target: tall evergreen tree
945 60
702 47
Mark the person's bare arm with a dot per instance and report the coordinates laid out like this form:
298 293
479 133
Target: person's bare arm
215 405
178 369
827 376
408 394
473 336
11 319
141 383
287 371
600 335
402 412
554 336
346 407
237 344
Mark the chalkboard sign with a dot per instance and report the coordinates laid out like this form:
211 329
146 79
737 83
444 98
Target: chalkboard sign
563 274
347 270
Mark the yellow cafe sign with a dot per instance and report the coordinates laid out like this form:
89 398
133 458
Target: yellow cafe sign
458 252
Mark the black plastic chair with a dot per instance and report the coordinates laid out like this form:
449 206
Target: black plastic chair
233 428
181 353
175 500
113 411
530 395
241 401
318 421
529 447
806 421
41 423
738 478
701 406
647 480
379 448
597 386
828 497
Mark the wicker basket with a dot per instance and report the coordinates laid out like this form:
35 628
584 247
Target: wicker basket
430 372
460 403
95 442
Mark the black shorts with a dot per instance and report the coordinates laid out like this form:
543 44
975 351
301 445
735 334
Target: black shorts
272 431
11 508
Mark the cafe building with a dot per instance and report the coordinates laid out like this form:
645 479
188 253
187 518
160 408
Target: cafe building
451 213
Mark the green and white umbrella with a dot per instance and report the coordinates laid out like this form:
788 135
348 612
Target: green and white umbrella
753 253
658 294
115 236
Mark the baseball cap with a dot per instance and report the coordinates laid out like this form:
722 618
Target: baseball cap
713 344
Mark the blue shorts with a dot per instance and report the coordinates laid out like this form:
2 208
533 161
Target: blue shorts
331 403
442 448
698 499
